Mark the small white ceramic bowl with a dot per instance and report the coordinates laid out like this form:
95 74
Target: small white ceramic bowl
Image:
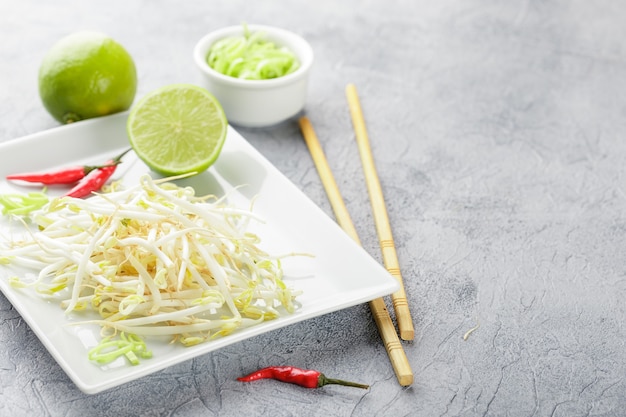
258 103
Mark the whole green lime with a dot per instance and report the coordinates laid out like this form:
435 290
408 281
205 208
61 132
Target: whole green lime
86 74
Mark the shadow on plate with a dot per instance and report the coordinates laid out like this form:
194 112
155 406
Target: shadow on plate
240 170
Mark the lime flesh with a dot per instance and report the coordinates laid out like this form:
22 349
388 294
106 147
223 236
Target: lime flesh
177 129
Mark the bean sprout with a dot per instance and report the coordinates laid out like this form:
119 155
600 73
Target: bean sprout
151 260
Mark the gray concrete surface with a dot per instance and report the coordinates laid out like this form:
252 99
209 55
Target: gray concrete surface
498 131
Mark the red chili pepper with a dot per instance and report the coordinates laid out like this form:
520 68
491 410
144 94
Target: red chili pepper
307 378
95 179
61 176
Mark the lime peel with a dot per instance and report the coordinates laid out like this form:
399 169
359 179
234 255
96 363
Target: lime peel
86 74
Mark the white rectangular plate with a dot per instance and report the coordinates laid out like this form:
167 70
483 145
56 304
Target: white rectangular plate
341 274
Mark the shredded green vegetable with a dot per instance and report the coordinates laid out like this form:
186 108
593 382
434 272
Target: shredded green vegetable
251 57
151 260
111 348
22 204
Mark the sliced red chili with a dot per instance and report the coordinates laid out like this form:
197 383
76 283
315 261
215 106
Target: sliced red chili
307 378
67 175
92 182
95 179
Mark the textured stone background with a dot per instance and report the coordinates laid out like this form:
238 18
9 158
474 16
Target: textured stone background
498 131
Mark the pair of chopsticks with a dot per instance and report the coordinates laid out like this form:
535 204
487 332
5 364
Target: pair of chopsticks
381 316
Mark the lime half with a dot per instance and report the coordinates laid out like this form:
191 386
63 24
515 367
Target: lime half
177 129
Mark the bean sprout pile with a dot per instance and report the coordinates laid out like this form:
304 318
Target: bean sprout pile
152 260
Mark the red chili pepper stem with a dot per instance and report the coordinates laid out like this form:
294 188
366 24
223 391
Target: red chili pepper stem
111 162
323 380
118 158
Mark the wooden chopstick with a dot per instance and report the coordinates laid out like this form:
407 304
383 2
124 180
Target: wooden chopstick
387 331
385 237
